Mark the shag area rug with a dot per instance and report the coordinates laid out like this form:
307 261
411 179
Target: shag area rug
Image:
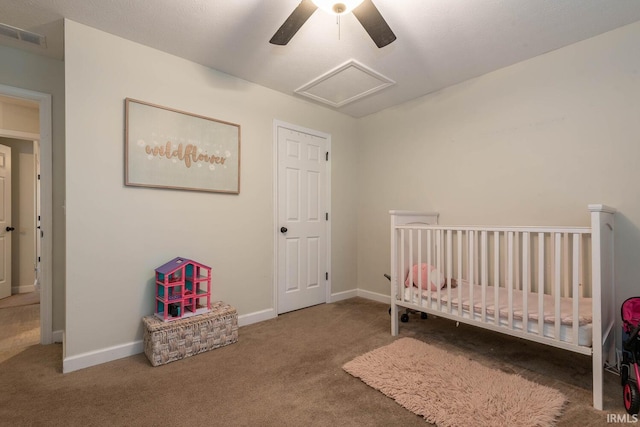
451 390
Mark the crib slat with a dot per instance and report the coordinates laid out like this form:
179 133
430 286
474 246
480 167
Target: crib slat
472 257
496 278
510 278
575 273
541 242
449 275
557 282
439 265
516 267
585 289
484 274
412 280
460 247
401 264
583 267
418 263
476 258
429 234
525 281
565 265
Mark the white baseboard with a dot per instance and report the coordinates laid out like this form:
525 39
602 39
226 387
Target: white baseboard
97 357
258 316
344 295
58 336
374 296
22 289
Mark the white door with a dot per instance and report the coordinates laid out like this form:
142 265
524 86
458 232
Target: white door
5 221
38 222
302 219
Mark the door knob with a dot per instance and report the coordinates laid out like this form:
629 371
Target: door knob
282 229
10 228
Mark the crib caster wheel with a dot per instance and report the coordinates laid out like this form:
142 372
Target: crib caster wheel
404 318
424 316
631 397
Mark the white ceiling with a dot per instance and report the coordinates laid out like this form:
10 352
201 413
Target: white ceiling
439 42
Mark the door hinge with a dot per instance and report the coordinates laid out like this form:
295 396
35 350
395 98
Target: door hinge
327 156
326 216
326 276
38 177
38 259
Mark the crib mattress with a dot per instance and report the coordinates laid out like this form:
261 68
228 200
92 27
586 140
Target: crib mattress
532 324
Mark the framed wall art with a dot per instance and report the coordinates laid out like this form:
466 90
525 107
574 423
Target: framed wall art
167 148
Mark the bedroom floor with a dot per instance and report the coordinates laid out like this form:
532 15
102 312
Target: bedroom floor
20 320
285 372
563 370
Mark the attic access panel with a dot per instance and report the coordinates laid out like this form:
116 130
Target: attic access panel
345 84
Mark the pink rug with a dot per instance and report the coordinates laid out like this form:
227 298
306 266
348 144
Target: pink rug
451 390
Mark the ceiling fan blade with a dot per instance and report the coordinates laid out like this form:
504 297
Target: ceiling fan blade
293 23
373 22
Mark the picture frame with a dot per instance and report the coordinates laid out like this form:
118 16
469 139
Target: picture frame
173 149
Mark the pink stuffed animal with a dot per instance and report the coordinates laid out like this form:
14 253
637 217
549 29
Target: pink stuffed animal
428 275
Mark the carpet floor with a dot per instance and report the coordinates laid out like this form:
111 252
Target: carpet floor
18 300
20 326
285 371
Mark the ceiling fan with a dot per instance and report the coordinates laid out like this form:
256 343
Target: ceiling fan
364 11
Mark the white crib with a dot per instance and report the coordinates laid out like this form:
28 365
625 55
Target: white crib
553 285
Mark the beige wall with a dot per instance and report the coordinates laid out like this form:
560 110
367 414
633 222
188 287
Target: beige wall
533 143
19 115
37 73
117 235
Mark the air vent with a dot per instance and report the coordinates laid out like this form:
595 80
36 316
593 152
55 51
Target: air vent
22 35
8 31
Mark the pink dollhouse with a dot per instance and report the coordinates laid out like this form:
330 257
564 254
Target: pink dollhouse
183 289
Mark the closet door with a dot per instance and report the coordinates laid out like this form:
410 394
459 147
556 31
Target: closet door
302 219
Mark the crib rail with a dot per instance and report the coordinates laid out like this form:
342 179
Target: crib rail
531 282
515 279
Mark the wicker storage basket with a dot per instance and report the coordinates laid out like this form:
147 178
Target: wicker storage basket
166 342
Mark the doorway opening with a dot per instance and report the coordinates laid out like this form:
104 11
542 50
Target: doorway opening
19 287
25 126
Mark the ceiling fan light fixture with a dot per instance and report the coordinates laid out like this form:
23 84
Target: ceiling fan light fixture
339 7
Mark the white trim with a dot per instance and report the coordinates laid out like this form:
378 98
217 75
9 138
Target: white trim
24 289
58 336
97 357
109 354
28 136
46 203
374 296
274 188
258 316
344 295
277 124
